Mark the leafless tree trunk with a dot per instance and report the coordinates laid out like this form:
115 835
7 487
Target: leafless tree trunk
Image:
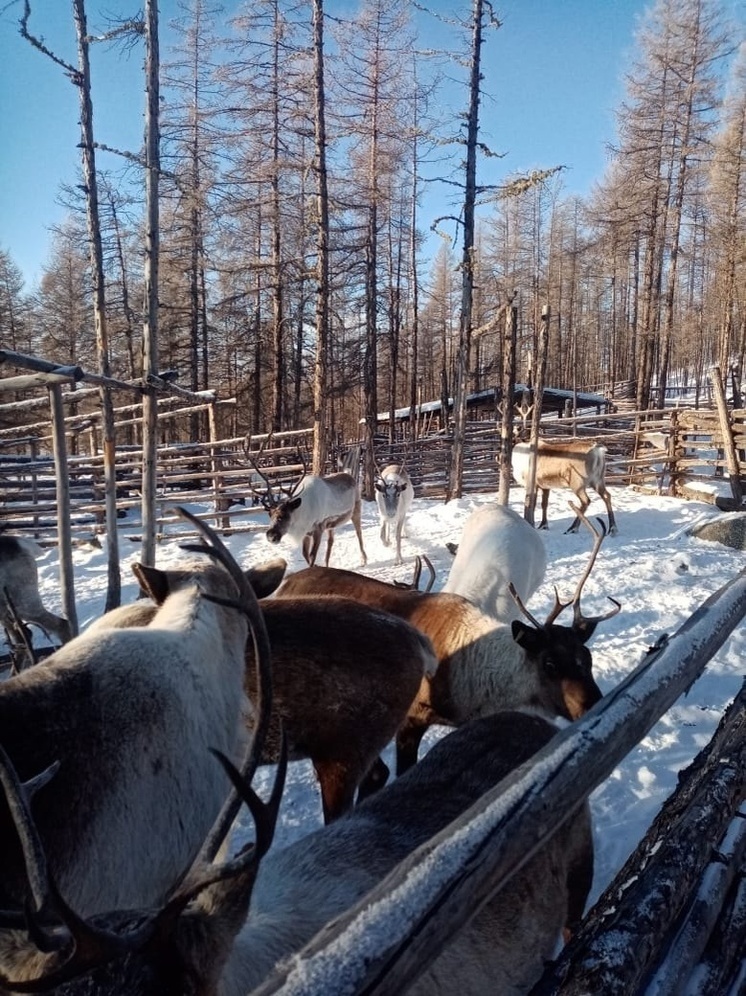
463 356
150 326
322 248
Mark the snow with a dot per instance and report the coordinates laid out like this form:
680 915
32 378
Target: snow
659 573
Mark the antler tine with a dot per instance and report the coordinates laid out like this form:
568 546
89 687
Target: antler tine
17 796
519 602
414 583
599 536
263 657
559 606
431 572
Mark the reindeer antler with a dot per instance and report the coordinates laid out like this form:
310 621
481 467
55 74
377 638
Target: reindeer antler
599 535
268 498
579 620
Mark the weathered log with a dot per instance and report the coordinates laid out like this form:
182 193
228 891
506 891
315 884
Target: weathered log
723 968
441 886
688 946
621 936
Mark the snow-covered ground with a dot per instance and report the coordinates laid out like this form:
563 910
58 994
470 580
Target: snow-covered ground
659 573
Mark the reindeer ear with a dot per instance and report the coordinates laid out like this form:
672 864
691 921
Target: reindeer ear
526 636
266 577
153 583
293 503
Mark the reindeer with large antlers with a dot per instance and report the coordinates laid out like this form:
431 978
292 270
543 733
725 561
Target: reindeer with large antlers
130 716
313 506
483 665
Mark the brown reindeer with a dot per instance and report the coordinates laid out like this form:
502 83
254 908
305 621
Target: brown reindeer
344 675
572 463
483 665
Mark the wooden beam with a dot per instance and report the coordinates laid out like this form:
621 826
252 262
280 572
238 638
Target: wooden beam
25 382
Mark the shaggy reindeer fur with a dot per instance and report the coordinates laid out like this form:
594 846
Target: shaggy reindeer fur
484 666
502 951
343 675
130 715
497 547
19 577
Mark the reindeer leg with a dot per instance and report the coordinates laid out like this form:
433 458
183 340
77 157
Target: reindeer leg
544 524
399 528
582 496
603 493
329 545
337 788
384 534
359 530
408 741
315 543
375 779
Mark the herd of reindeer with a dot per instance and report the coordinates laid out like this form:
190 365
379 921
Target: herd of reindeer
126 755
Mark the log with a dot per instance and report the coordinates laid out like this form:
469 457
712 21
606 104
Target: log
688 946
440 887
723 961
619 940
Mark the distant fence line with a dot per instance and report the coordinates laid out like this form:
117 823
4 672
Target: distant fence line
675 451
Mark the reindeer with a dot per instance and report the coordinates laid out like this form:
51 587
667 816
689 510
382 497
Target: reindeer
130 717
314 505
178 949
19 590
343 674
394 494
572 463
212 946
484 666
497 547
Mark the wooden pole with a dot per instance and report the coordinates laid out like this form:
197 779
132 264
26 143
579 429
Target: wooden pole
529 499
150 327
64 536
506 428
731 456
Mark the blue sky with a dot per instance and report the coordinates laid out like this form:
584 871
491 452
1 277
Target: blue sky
553 76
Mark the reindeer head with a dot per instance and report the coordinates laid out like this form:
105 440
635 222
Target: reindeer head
559 653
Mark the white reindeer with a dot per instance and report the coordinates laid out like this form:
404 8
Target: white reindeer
394 494
572 463
313 506
240 925
497 548
130 716
19 579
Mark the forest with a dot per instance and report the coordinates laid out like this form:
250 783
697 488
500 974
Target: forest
268 239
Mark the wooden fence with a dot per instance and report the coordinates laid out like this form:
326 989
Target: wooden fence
681 452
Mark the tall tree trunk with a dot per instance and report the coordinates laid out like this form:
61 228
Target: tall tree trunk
461 388
114 590
150 327
322 247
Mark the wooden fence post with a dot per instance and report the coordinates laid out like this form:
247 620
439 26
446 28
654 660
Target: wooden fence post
64 536
729 446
